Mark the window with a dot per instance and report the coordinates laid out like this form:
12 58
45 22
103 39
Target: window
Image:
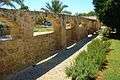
43 26
4 32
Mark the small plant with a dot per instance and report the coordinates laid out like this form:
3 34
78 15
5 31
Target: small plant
105 31
89 62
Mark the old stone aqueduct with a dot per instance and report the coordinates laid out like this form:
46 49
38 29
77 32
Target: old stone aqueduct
25 49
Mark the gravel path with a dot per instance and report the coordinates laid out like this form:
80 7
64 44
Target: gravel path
52 68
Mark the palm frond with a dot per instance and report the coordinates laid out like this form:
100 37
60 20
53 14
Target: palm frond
46 10
11 5
19 2
8 3
48 6
66 12
65 6
56 6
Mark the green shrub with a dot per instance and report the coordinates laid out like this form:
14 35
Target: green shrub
89 62
104 31
78 67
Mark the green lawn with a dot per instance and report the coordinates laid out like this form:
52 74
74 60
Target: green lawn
40 28
113 70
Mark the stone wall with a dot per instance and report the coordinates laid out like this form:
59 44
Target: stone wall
69 37
25 49
19 54
43 46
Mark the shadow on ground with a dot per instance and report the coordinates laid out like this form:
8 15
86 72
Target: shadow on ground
32 73
114 36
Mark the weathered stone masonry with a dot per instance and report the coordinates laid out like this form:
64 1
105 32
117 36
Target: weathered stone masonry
25 49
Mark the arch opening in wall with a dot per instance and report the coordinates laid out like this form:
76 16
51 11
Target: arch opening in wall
43 25
4 32
68 25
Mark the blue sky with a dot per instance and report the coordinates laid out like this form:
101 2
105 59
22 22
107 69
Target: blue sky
79 6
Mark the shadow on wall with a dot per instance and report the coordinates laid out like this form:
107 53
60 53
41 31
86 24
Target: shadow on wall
34 72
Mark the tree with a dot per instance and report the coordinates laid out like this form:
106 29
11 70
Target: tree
56 7
7 2
82 14
10 2
108 11
91 13
23 6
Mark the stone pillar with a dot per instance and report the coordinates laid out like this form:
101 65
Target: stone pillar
63 32
77 29
60 32
84 29
99 24
90 28
56 26
26 24
94 25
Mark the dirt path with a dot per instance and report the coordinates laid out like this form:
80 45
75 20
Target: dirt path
52 68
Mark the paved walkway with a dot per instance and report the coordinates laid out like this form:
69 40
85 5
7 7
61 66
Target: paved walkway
52 68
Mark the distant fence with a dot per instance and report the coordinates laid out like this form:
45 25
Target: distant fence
25 49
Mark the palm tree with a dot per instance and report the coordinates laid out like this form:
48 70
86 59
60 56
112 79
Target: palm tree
6 2
56 7
23 6
10 3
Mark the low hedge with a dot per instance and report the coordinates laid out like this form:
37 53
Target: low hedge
88 63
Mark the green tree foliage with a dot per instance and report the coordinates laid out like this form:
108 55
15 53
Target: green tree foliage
56 7
23 6
91 13
10 3
108 11
7 2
